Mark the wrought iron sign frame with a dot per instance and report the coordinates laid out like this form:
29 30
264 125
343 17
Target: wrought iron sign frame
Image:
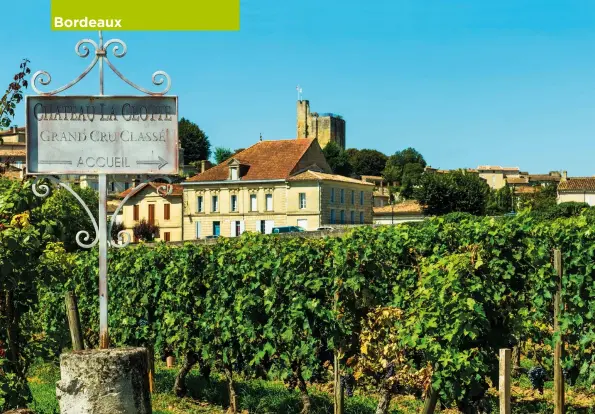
102 233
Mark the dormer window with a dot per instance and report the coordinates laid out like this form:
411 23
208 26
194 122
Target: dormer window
236 169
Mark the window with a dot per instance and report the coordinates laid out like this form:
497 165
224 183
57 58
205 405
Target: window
198 230
342 196
126 185
332 216
352 197
234 173
361 218
361 198
237 228
302 200
166 211
353 217
253 203
332 195
234 203
342 216
135 213
215 204
200 204
269 202
216 228
166 236
152 214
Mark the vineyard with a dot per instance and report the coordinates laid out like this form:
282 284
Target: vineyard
419 309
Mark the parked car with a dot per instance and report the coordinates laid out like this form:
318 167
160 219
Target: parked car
214 236
288 229
325 228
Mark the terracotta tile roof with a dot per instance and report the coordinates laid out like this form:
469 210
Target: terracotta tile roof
517 180
497 168
266 160
577 184
544 177
177 189
406 207
12 153
319 176
526 189
372 177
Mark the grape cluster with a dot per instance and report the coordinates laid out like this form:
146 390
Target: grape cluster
537 376
348 382
390 371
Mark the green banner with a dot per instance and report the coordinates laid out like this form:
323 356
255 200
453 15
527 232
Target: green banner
170 15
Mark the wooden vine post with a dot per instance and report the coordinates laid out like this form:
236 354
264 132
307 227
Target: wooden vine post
504 381
74 322
558 347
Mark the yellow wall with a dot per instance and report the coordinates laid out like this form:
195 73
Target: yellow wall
149 196
494 180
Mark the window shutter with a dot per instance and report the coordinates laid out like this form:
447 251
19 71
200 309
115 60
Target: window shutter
135 212
166 211
242 227
258 226
198 229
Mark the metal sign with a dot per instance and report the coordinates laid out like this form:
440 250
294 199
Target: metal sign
102 135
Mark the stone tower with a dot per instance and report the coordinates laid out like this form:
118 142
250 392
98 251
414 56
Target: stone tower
325 127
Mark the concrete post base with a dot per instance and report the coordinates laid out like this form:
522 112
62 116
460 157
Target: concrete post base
108 381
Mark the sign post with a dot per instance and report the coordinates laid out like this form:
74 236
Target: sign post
100 135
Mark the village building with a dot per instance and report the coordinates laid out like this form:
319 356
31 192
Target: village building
273 184
13 152
497 176
577 189
151 203
381 189
403 212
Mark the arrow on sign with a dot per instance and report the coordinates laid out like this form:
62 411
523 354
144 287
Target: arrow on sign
161 162
54 162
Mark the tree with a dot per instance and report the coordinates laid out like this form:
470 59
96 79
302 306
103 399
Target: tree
367 161
70 216
194 141
405 168
456 191
337 159
237 151
222 154
13 95
145 231
500 201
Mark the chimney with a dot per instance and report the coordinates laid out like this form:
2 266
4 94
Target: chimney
564 176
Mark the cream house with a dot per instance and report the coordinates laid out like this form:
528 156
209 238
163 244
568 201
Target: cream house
579 189
272 184
496 175
150 203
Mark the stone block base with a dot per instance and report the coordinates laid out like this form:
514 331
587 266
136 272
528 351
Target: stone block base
109 381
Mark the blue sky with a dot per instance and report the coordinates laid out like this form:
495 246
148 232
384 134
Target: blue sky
508 82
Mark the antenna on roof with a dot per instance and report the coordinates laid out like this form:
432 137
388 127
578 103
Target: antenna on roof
299 92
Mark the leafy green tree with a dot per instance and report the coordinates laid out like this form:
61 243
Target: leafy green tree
405 168
456 191
367 161
70 216
194 141
337 159
222 154
500 201
543 200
